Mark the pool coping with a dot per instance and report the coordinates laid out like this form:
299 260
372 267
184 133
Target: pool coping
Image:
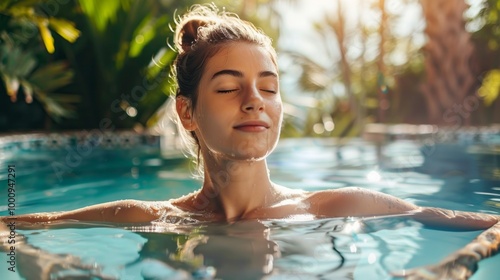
39 141
376 133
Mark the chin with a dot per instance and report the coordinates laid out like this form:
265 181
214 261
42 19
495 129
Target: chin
254 149
250 157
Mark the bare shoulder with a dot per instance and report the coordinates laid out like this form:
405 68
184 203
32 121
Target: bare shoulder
356 201
331 195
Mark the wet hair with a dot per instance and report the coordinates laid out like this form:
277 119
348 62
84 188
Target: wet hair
200 34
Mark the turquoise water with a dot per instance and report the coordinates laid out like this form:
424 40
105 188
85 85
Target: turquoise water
450 176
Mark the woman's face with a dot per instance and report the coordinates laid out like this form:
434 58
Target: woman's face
239 110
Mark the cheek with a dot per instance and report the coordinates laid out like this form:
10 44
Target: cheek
277 117
209 119
277 109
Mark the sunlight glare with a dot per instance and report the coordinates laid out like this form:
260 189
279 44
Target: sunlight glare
372 258
373 176
352 227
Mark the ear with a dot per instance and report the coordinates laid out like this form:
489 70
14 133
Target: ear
184 110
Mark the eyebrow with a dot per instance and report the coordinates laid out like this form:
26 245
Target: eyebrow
239 74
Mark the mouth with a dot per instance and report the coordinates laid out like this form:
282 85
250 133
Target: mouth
252 126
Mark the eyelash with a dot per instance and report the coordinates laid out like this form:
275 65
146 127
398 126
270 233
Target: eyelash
269 91
233 90
226 91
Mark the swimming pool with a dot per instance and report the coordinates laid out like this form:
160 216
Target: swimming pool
52 178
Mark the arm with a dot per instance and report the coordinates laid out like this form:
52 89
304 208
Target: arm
359 202
462 263
450 219
122 211
125 211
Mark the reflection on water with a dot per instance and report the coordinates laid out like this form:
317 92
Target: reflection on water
275 249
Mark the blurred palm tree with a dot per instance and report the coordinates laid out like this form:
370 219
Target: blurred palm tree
340 83
386 91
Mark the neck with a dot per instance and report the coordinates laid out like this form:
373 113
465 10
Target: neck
235 188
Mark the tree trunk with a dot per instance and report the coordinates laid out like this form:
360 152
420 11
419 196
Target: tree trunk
448 89
382 90
338 26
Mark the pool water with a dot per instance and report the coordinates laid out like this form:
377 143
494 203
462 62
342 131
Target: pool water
452 176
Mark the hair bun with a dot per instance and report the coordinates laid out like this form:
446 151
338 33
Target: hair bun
187 32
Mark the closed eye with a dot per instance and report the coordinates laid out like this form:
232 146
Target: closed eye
227 90
269 90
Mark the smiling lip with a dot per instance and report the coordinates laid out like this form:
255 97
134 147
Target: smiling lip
252 126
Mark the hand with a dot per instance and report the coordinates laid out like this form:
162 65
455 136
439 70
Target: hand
33 263
456 267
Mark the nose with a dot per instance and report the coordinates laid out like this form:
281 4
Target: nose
252 101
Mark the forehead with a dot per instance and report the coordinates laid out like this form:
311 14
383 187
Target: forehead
245 57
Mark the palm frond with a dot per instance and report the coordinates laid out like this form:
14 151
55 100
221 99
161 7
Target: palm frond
51 76
15 62
54 107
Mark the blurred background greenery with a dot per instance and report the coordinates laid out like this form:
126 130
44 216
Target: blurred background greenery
83 64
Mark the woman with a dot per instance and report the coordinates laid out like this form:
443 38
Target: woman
229 106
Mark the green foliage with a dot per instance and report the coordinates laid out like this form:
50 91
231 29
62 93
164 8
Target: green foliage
486 38
490 89
90 60
116 59
114 62
24 66
489 18
31 12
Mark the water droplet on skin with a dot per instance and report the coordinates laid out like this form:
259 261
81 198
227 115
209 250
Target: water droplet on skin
117 210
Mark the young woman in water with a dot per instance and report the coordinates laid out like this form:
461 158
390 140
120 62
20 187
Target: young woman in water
229 106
